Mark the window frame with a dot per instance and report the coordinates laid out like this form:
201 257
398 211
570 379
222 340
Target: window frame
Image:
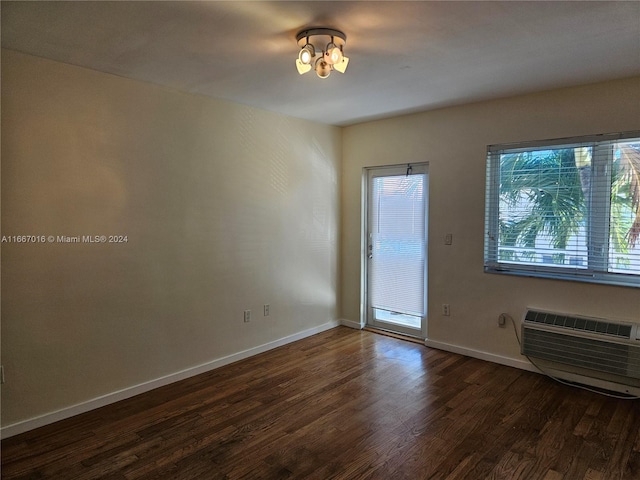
597 232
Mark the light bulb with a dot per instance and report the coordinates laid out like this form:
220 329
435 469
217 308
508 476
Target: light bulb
323 69
333 54
306 54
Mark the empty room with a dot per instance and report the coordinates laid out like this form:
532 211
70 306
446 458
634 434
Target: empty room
320 239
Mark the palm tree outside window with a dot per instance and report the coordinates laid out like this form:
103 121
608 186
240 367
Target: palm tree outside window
566 209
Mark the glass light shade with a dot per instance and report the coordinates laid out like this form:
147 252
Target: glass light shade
323 69
342 66
302 68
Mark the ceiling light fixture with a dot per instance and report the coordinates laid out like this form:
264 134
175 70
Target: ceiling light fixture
329 58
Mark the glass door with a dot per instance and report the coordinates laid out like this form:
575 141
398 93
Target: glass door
396 246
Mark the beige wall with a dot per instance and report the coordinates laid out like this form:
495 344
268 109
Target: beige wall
226 208
453 141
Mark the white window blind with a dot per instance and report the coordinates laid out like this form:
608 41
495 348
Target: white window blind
567 208
398 240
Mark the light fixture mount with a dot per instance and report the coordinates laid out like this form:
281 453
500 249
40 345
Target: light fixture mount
315 32
327 54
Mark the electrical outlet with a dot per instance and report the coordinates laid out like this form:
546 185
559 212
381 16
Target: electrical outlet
446 311
448 239
266 310
247 316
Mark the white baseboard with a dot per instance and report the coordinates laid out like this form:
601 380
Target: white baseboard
46 419
350 324
489 357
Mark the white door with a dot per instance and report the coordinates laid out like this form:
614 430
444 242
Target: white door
396 247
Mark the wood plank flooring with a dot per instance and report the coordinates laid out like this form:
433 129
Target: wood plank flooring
344 404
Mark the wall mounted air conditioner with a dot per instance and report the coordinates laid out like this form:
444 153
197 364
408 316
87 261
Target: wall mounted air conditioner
591 351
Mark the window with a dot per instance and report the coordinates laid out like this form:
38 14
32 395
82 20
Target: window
565 209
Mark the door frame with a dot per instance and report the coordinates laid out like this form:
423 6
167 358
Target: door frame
364 241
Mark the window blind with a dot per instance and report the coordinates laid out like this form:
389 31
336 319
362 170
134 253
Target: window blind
565 208
398 239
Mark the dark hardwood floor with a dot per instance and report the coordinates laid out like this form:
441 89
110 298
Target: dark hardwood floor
344 404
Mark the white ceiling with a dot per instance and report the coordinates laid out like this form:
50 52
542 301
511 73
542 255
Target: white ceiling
405 56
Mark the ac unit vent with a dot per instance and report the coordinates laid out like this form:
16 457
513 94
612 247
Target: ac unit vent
582 352
580 323
592 349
